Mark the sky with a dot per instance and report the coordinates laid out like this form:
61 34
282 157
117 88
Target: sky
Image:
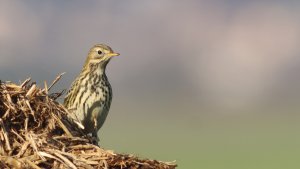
226 52
180 60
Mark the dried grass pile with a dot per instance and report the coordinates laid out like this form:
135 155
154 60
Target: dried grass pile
36 133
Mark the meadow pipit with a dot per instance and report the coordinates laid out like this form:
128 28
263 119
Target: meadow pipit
90 94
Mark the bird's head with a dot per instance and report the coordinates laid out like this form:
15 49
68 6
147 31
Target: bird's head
100 54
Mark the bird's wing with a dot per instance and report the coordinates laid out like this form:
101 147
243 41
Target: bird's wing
71 93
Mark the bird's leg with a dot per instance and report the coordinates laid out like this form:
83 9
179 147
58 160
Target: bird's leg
95 138
98 140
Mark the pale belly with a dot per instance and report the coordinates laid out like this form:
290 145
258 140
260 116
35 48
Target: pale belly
93 112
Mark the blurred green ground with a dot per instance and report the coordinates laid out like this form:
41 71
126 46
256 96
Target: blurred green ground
245 140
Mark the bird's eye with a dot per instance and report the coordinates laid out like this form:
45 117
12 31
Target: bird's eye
99 52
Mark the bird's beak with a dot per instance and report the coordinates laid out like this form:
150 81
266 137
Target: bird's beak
113 54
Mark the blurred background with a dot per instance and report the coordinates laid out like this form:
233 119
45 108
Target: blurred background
210 84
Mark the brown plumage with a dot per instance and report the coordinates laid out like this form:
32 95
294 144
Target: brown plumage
90 94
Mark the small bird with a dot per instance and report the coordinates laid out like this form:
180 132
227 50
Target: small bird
90 95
